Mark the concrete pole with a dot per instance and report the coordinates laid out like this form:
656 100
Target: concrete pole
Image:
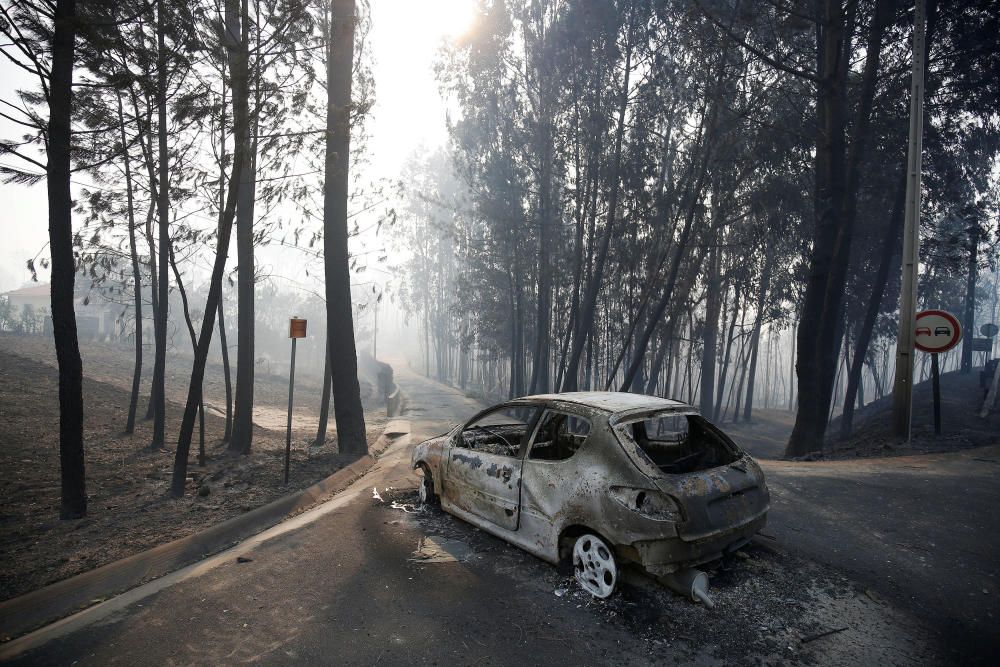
902 391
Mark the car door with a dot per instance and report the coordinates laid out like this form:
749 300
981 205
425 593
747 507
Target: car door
551 473
483 474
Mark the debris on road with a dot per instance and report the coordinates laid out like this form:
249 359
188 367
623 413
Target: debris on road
406 507
436 549
376 496
820 635
244 559
764 606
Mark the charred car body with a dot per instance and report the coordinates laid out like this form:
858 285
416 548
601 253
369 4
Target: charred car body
599 477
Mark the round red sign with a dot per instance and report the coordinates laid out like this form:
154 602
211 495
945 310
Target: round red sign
937 331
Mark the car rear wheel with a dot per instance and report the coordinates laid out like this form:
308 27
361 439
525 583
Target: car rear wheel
594 566
426 489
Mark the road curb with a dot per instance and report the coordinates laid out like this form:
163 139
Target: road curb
38 608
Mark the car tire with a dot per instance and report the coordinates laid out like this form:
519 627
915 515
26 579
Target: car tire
594 566
426 489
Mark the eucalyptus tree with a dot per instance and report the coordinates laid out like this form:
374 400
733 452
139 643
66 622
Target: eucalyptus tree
290 26
57 169
278 44
487 142
232 33
960 144
340 59
716 176
840 142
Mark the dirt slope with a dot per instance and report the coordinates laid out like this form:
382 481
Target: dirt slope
129 509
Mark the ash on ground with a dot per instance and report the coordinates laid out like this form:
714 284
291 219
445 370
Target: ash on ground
771 607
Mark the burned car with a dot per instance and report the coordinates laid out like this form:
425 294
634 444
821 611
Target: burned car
598 479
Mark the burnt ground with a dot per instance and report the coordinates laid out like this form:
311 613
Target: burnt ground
961 426
129 509
921 530
913 521
766 435
771 607
348 588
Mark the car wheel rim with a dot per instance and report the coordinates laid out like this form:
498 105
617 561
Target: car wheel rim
423 490
594 566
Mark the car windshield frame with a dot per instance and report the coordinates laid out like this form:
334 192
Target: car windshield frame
530 425
638 455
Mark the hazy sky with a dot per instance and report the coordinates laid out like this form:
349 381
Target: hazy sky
409 114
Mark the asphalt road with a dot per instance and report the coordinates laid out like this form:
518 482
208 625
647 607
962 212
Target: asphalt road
893 559
923 531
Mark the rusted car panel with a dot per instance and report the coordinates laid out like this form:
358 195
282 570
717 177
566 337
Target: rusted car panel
487 485
607 486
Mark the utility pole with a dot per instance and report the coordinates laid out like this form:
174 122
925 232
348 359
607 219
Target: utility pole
902 391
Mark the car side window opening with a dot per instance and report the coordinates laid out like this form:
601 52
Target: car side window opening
558 437
498 432
679 443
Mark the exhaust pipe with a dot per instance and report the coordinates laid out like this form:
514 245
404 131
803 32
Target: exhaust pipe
689 583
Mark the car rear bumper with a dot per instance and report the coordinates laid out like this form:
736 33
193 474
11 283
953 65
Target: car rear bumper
663 556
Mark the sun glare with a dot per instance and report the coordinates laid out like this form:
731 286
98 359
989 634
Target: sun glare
449 18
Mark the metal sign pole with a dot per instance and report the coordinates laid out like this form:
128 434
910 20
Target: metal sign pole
288 435
902 391
296 330
936 384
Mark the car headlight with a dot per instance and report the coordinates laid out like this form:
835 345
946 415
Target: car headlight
648 503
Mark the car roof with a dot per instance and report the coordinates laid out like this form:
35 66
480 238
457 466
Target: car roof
610 401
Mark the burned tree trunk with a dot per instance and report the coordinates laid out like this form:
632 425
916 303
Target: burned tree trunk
133 402
819 320
727 355
585 320
223 343
765 285
242 437
710 336
837 185
234 28
194 350
154 280
158 394
226 374
347 407
144 130
969 321
71 463
889 252
324 403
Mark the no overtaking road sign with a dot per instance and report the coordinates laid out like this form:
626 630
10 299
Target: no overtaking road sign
937 331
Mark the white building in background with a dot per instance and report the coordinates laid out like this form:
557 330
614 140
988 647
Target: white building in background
95 320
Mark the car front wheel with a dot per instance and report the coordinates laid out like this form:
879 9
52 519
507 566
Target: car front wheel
594 566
